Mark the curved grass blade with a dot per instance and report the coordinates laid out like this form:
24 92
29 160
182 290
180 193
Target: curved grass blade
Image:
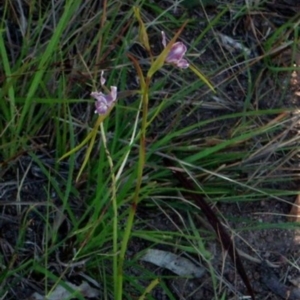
223 236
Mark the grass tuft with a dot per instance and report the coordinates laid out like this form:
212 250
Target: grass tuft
83 197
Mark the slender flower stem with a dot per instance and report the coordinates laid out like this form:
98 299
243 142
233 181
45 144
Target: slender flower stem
114 203
135 200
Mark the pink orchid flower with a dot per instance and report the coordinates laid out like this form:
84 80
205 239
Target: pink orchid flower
176 54
104 102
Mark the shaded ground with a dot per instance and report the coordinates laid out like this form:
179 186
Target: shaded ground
269 90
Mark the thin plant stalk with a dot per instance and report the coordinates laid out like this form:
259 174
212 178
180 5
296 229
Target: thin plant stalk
114 202
140 168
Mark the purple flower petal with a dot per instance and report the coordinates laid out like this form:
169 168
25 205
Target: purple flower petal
104 102
102 79
183 64
176 54
112 96
101 107
164 39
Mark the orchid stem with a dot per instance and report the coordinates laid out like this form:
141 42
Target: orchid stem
135 200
